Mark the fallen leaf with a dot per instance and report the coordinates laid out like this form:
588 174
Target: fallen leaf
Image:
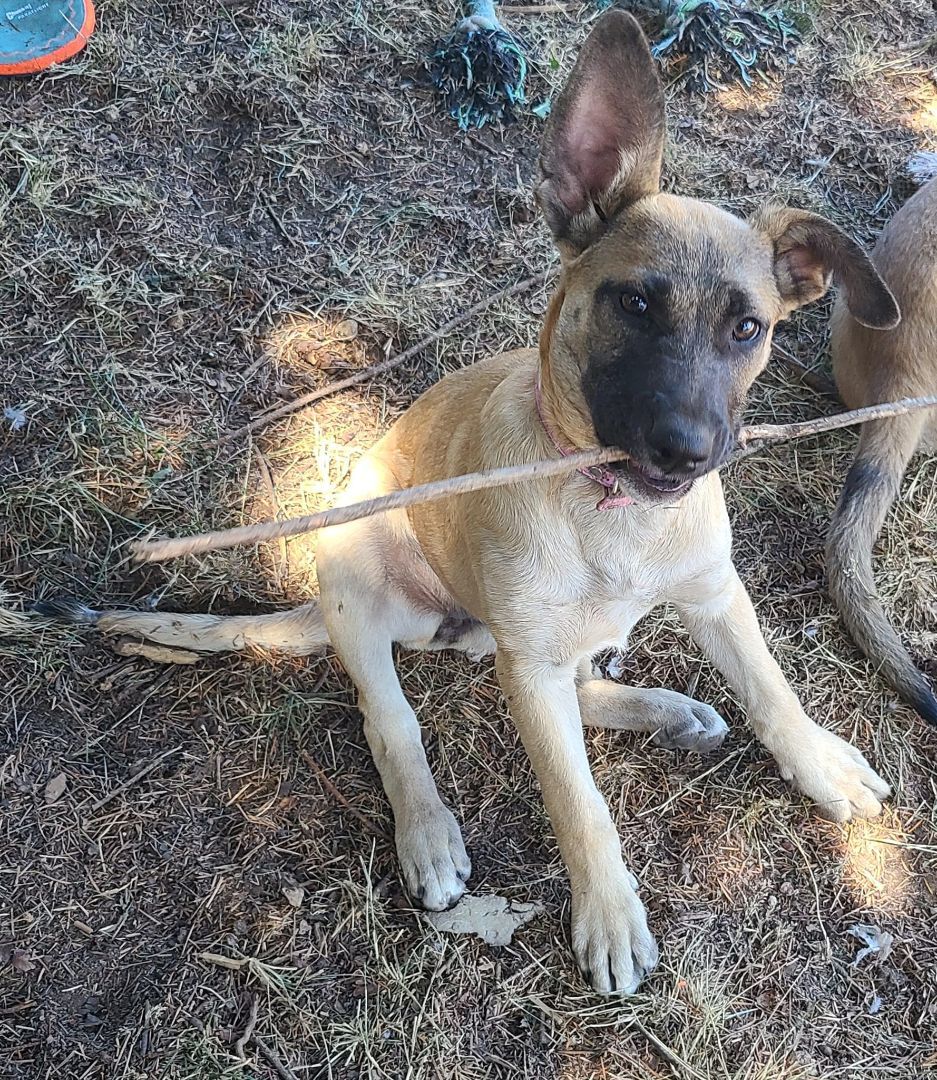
219 960
346 330
492 918
21 961
17 418
615 667
877 943
55 788
294 894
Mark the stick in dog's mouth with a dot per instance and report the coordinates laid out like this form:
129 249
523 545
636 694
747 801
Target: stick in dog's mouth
750 440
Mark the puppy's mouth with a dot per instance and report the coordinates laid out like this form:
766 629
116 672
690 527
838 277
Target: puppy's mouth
646 480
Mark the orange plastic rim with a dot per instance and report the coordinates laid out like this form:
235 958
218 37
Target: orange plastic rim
63 52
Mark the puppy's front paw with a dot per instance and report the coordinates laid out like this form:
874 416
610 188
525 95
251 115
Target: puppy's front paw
686 724
834 774
432 856
611 941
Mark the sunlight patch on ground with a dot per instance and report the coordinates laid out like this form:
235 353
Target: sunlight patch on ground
924 117
756 98
306 342
302 463
876 865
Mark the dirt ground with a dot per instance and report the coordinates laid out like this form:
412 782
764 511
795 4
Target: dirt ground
216 208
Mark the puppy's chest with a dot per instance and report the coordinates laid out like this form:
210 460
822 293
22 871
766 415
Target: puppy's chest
633 567
591 577
604 590
615 602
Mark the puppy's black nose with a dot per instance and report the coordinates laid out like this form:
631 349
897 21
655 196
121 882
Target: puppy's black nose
678 446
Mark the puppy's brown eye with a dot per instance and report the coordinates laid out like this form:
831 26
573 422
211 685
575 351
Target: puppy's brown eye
634 302
746 330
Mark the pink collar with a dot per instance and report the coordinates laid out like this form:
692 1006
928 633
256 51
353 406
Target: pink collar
598 474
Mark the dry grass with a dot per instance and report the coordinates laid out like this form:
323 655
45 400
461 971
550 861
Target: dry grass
191 212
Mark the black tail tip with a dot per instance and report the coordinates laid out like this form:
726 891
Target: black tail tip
924 703
65 609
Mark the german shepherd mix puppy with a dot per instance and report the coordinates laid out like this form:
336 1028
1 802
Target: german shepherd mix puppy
661 321
871 367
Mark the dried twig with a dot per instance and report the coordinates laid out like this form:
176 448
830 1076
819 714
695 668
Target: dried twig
813 379
669 1055
324 780
249 1029
751 439
539 9
159 550
278 221
137 776
283 1071
761 434
384 365
159 654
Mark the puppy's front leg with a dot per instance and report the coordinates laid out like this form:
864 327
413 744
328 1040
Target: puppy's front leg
612 943
720 616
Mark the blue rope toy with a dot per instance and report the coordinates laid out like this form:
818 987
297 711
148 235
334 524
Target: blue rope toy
479 69
718 41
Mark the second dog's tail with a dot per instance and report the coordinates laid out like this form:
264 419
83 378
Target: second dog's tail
300 631
885 448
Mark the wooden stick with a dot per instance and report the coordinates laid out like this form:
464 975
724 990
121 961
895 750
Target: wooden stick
385 365
751 439
283 1071
538 9
323 778
121 788
158 550
765 433
249 1030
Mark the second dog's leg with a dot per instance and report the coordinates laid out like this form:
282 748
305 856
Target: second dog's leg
677 722
429 843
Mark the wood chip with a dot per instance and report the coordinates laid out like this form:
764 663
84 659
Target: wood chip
55 788
161 654
294 894
21 961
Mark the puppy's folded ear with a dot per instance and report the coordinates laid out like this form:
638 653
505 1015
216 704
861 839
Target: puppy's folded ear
809 251
604 140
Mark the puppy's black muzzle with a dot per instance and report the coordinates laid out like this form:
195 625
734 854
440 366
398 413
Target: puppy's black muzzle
667 447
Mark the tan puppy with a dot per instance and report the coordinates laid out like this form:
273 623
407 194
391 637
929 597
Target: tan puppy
870 367
661 321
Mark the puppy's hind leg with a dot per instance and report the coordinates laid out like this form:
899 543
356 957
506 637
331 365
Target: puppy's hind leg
676 722
362 629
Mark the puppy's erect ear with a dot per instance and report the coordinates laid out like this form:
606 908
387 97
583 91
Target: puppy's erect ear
604 140
809 251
